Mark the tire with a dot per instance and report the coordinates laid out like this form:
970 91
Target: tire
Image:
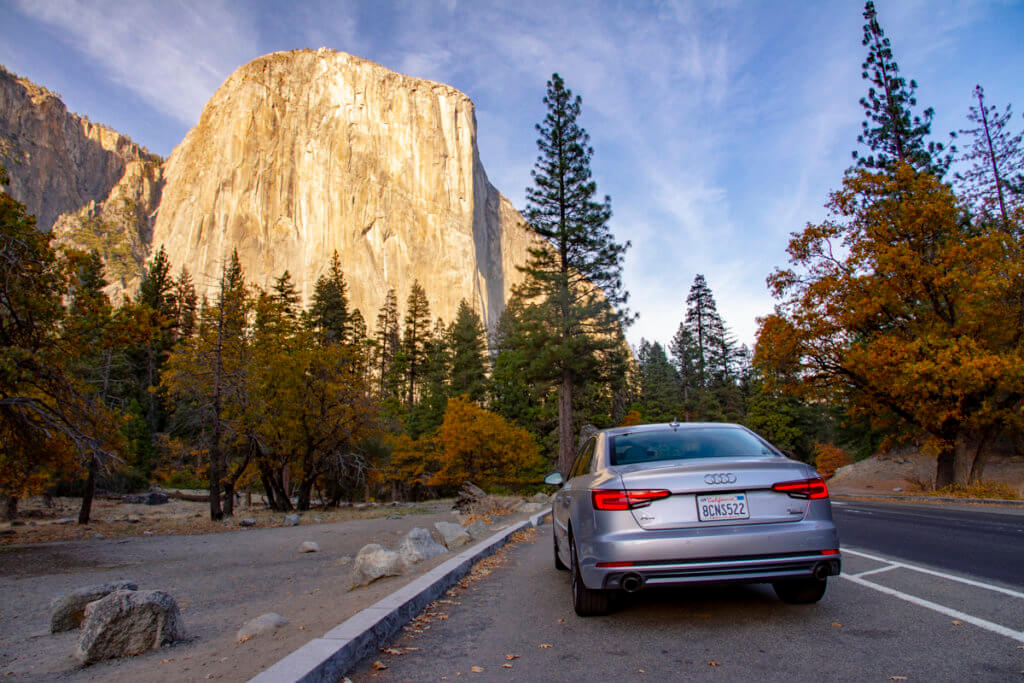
585 601
800 591
559 565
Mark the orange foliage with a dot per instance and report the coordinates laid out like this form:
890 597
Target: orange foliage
480 446
892 308
633 417
828 458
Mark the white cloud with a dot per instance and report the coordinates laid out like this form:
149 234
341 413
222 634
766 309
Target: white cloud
173 54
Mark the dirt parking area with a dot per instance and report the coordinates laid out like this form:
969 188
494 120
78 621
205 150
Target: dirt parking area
220 580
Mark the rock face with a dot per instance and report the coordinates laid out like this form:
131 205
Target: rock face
128 623
93 186
299 154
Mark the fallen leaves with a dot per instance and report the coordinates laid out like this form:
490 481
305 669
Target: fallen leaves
897 678
836 624
476 669
511 657
392 651
544 646
378 666
957 622
713 663
506 666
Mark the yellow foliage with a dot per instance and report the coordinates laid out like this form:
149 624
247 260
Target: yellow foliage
828 458
632 418
480 446
980 489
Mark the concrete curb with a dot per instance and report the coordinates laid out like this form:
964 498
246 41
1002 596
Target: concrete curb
331 656
889 497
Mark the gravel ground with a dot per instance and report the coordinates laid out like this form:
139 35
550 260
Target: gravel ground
219 580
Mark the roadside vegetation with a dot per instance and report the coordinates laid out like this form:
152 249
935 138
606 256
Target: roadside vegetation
899 320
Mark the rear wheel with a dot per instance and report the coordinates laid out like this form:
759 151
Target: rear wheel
558 561
800 591
586 602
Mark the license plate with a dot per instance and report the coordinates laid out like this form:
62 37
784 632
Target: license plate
718 506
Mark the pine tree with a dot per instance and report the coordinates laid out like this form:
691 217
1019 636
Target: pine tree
157 312
705 328
891 131
469 354
428 413
659 398
416 339
387 339
329 311
997 158
576 274
287 294
186 303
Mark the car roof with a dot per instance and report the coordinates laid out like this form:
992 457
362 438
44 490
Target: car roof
633 429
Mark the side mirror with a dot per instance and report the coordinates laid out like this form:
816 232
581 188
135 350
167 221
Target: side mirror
554 479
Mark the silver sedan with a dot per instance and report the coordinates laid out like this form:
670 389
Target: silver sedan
672 504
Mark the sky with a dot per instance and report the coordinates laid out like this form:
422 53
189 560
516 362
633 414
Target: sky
718 127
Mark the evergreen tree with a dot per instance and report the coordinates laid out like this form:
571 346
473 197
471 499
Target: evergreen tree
286 293
428 413
157 317
576 273
186 303
329 311
387 341
416 339
659 385
997 159
469 354
891 131
706 329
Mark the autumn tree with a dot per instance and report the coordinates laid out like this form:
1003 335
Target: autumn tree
574 277
891 308
996 158
477 445
891 131
48 424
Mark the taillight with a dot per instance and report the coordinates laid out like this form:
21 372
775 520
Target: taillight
813 488
626 500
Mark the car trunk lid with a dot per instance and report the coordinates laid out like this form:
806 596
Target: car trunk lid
706 492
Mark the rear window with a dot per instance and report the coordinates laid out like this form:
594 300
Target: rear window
686 444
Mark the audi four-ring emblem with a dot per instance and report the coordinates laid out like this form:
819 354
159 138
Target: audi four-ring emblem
720 478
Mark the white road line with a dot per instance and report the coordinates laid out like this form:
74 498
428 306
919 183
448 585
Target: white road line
932 572
942 609
876 571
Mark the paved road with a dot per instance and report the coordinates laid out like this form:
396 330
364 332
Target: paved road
864 629
987 543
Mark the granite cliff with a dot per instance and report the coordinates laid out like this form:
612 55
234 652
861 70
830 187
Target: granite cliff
296 155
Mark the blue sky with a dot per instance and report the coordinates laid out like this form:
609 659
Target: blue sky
718 127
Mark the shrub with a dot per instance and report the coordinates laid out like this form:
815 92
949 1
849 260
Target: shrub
828 458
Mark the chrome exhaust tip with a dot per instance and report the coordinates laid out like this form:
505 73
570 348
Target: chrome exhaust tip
631 583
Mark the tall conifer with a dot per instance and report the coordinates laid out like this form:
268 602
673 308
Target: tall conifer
576 274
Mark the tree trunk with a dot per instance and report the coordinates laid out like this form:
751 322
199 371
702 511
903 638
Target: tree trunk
90 489
229 498
10 507
980 458
216 475
566 450
268 487
304 494
945 469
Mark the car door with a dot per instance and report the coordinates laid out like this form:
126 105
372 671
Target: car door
575 490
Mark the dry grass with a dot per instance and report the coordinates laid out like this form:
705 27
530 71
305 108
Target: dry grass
996 490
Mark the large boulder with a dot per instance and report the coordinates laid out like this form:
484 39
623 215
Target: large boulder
68 610
261 624
453 535
128 623
532 508
469 495
418 545
373 562
478 531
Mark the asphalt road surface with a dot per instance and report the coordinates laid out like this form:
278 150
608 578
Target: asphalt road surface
986 543
887 618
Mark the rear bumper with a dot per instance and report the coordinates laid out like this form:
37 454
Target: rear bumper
749 554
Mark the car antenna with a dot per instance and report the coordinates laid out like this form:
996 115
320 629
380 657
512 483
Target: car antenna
674 424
